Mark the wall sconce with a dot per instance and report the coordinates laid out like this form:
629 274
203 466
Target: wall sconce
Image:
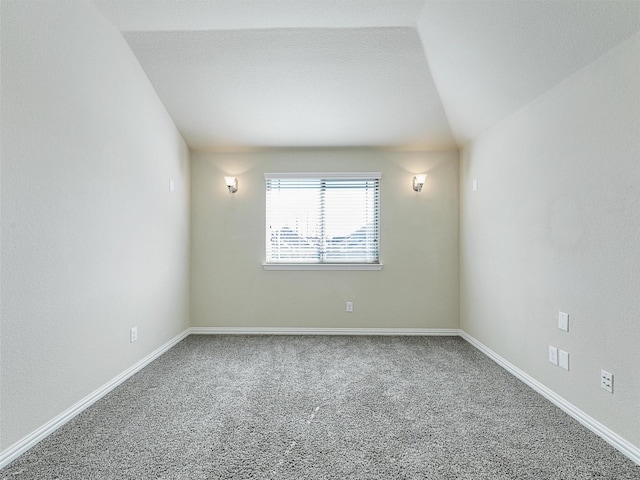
232 184
418 182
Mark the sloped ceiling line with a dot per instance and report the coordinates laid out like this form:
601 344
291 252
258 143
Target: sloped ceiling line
411 74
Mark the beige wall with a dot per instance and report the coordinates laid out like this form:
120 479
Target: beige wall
417 288
93 241
555 226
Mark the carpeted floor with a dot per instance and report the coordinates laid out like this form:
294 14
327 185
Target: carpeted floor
319 407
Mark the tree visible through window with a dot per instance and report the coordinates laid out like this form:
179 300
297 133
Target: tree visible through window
322 218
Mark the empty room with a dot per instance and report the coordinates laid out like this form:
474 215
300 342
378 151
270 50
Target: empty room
320 239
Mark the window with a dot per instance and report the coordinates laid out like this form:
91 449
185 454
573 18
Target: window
322 220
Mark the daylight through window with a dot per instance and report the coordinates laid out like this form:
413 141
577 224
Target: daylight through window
322 218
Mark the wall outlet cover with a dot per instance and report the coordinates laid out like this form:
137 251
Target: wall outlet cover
606 380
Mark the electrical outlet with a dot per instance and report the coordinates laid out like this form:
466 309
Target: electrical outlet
133 334
349 306
563 359
553 355
606 380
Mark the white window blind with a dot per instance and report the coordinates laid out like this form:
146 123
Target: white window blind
329 218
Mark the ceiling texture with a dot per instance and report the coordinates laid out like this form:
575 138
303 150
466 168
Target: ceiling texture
405 74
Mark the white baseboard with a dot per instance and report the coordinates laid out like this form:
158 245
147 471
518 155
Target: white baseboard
18 448
596 427
615 440
322 331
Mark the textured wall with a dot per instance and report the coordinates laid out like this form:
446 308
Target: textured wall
93 241
555 226
417 288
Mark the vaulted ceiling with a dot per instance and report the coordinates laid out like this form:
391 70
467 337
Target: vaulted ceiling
411 74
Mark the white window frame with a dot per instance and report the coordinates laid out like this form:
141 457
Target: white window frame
327 266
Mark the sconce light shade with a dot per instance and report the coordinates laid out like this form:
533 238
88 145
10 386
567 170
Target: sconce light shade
418 182
232 184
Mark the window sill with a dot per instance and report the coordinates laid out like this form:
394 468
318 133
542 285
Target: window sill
322 266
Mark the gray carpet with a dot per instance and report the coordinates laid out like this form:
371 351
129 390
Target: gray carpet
318 407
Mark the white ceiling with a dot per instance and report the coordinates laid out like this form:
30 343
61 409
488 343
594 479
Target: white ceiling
413 74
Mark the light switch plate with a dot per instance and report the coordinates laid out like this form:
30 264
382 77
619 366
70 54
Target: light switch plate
563 321
553 355
563 359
